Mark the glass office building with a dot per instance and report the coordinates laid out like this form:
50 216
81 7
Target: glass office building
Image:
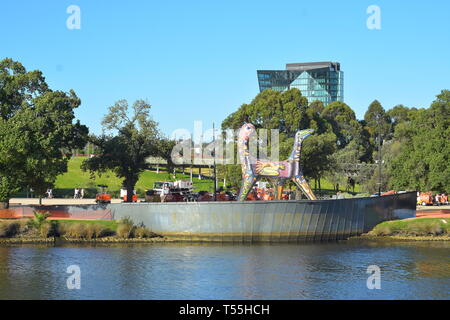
322 81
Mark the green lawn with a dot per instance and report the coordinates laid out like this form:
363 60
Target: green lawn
326 185
413 227
75 177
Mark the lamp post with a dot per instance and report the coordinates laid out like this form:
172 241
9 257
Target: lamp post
379 164
379 153
215 175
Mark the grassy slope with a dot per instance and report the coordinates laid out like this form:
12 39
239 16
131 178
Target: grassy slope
326 185
75 177
413 227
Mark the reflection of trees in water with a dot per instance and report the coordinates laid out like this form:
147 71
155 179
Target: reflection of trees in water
5 282
433 269
433 263
26 273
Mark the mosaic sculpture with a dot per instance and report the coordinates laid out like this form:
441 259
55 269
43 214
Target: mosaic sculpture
277 172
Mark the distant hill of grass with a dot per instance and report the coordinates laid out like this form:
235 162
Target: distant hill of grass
75 177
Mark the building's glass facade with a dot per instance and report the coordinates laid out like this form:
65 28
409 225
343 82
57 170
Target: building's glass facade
322 81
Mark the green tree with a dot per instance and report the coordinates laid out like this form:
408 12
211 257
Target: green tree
232 173
399 114
423 160
164 150
36 127
132 137
377 120
346 164
12 152
54 134
389 150
317 154
343 121
271 109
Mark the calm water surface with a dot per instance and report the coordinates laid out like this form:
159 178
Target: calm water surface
187 271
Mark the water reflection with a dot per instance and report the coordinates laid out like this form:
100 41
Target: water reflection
189 271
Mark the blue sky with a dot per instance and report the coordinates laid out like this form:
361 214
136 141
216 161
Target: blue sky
197 60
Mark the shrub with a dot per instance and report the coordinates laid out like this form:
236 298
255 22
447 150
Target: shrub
45 230
38 220
436 229
103 231
24 227
382 231
44 227
97 231
140 193
124 231
85 230
142 232
126 228
62 228
9 228
75 230
90 231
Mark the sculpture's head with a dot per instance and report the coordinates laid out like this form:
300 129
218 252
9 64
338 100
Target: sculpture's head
303 134
246 131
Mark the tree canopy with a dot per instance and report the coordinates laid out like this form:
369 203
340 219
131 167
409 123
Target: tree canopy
424 157
130 136
37 130
377 120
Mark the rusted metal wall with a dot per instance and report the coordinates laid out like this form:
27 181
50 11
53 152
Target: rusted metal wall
274 221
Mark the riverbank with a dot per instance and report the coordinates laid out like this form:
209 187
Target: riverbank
64 240
416 229
41 230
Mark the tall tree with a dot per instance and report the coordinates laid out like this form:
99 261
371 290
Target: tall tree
36 127
423 161
346 163
343 121
271 109
12 153
377 120
400 116
317 153
164 150
130 137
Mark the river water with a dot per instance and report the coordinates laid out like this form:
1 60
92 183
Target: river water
408 270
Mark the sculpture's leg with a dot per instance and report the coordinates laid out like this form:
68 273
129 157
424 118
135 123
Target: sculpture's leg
279 192
301 183
247 184
277 187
